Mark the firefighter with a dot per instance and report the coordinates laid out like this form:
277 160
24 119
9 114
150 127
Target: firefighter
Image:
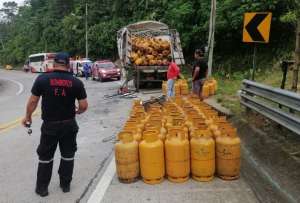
59 90
199 72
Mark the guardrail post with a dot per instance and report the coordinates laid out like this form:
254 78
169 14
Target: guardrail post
284 68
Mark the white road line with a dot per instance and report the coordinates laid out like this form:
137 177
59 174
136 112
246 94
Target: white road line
104 183
21 86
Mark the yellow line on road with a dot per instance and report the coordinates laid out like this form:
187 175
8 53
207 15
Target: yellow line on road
10 125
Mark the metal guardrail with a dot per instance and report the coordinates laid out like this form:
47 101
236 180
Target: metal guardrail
270 102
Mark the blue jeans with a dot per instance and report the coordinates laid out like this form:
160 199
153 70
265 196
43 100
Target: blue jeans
170 86
197 86
86 74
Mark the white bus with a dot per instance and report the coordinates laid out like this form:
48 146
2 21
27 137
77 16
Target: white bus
42 62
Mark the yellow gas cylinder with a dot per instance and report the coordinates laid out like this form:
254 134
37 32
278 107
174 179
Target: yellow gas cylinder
155 114
211 114
191 112
174 130
137 102
202 157
184 88
160 130
204 131
177 88
177 151
135 124
154 107
195 123
136 133
213 127
228 155
164 87
140 113
211 88
137 108
220 119
215 82
227 129
127 158
159 119
176 121
178 98
208 122
156 131
205 90
152 162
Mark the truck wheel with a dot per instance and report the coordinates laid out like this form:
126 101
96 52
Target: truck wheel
135 84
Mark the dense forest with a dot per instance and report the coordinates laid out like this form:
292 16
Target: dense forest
55 25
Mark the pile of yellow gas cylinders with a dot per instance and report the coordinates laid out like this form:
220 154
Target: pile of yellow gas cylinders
209 88
183 137
181 87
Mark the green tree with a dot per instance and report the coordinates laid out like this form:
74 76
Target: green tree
9 10
54 25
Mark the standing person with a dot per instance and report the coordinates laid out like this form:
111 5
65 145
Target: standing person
86 70
59 90
172 75
199 72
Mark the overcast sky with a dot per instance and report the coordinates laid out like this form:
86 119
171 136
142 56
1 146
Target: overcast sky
19 2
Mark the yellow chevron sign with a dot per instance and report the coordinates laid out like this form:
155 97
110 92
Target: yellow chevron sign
257 27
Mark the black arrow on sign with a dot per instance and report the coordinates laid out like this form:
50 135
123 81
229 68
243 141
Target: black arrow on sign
252 27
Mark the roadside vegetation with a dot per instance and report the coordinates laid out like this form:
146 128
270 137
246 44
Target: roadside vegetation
51 26
228 87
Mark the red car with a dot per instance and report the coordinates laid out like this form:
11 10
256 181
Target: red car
105 69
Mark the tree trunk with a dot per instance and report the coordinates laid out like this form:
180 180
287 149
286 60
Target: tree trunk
297 58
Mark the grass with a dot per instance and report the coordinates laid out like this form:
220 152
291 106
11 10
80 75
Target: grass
273 78
227 93
228 86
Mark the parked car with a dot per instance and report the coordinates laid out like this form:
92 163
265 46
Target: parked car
76 66
105 69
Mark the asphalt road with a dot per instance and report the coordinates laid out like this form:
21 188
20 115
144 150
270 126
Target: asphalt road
94 178
18 162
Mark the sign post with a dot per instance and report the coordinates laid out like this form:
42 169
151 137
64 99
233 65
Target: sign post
254 63
256 30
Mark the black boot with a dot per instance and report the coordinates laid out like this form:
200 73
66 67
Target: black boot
42 191
65 172
43 178
65 187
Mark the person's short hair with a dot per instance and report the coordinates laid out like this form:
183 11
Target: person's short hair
170 58
199 52
62 58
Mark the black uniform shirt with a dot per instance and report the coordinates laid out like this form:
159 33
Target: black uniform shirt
59 90
202 64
